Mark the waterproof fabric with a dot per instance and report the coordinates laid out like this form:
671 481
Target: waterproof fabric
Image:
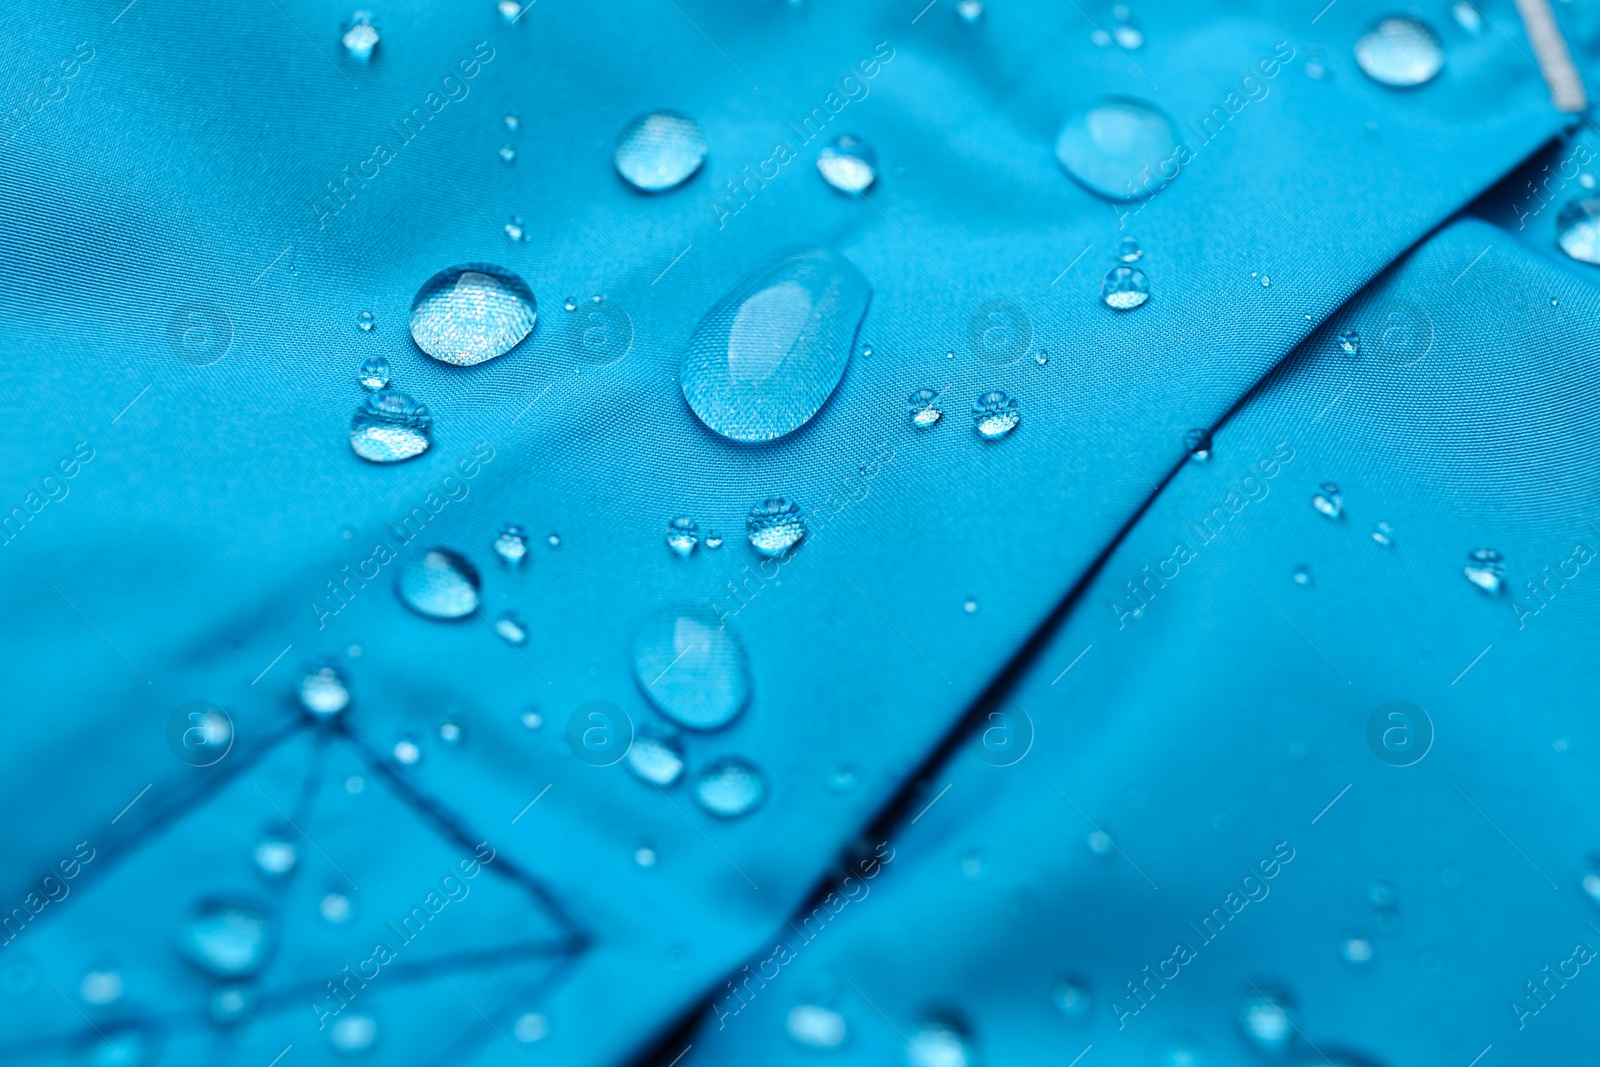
161 161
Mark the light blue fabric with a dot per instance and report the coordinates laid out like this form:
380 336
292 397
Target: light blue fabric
229 157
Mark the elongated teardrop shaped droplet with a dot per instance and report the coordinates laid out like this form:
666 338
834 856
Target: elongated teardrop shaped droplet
770 353
471 313
660 151
440 584
1118 147
691 668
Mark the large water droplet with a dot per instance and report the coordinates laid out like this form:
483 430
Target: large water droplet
813 1026
995 415
938 1042
655 756
1125 288
1328 500
730 787
1578 230
360 39
660 151
849 164
323 692
691 668
227 940
1400 52
767 356
683 534
1116 148
1486 569
471 313
923 407
389 427
374 373
1267 1016
439 584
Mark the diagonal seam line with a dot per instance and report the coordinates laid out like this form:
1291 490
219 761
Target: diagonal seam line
931 803
702 833
1469 266
131 803
302 833
531 803
674 262
924 11
1074 262
1299 631
897 630
1480 1056
132 402
1107 836
1073 664
99 631
1502 833
1331 803
1324 11
280 1056
273 664
1473 664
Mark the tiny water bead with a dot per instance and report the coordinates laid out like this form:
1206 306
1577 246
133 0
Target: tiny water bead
100 987
692 668
507 154
644 856
451 732
1124 288
439 584
227 939
848 164
1578 230
361 38
1383 535
969 11
1198 444
1117 147
515 230
970 606
1128 250
1267 1016
938 1042
530 1027
1356 949
1467 16
814 1026
1302 575
1486 569
1350 343
1328 500
323 692
554 540
353 1033
510 10
510 627
656 757
335 907
570 304
995 414
660 151
1400 52
274 854
406 752
1266 281
467 314
775 526
513 123
374 373
683 535
923 408
713 539
390 427
730 787
366 321
511 544
230 1003
767 355
1099 842
1071 997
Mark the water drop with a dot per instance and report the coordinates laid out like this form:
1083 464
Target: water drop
713 539
227 939
843 779
969 11
1350 343
511 544
1316 67
1587 180
439 584
1100 37
406 752
374 373
924 409
995 414
571 304
101 986
1486 570
775 526
1356 949
1071 997
532 720
323 692
390 427
1591 879
1302 575
849 164
1267 1016
1467 16
970 607
1042 358
1128 250
471 313
274 854
691 668
360 39
366 321
1116 147
231 1003
730 787
335 907
683 534
1266 281
451 732
1328 500
1125 288
1383 535
1400 52
813 1026
354 784
1578 230
660 151
510 627
938 1042
655 756
353 1033
770 353
1198 443
1099 842
510 10
515 230
1128 36
644 856
530 1027
554 540
507 154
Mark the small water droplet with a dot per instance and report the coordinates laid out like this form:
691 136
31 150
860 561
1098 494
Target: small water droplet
1100 38
938 1042
1316 67
1266 281
365 320
451 732
1356 949
511 544
923 408
1467 16
1198 443
683 534
510 627
100 987
507 154
644 856
571 304
530 1027
1128 36
510 10
440 584
1328 500
1125 288
335 907
361 38
227 939
323 693
1591 879
354 784
970 607
1302 575
513 123
969 11
1099 842
231 1003
1383 535
389 427
1267 1016
274 854
655 756
814 1026
1400 52
1554 302
406 752
1587 180
1072 998
775 526
848 164
355 1032
516 231
1042 357
471 313
374 373
660 151
1486 570
1116 147
713 539
692 668
995 414
532 720
730 787
766 357
554 540
843 779
1128 250
1350 343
